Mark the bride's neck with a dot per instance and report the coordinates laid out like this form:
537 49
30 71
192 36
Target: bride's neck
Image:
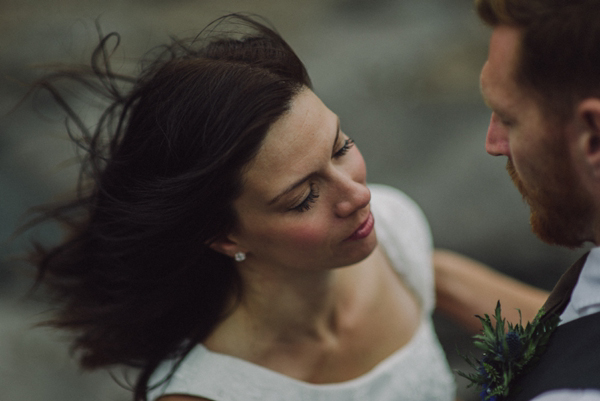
301 304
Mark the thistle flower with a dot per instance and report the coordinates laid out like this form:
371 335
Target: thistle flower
507 354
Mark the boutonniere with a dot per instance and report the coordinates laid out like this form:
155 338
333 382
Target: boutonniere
508 352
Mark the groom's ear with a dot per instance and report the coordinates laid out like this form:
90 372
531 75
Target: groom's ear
588 120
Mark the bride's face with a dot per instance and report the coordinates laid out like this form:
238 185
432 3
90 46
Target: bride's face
305 203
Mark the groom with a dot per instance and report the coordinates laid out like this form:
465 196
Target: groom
542 83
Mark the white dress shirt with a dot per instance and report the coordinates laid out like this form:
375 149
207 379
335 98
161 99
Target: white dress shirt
585 300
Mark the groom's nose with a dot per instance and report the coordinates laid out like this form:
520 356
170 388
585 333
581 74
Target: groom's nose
496 143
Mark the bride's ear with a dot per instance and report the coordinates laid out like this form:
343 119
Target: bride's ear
226 246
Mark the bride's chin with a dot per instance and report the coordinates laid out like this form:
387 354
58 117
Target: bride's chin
363 249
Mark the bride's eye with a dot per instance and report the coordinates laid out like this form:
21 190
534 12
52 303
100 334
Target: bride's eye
348 143
308 201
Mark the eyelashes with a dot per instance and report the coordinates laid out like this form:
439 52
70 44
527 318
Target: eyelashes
308 201
348 143
314 194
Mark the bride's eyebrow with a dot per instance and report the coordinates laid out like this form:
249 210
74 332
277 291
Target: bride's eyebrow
302 180
337 136
291 188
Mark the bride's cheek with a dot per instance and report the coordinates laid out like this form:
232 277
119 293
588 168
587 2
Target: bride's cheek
307 236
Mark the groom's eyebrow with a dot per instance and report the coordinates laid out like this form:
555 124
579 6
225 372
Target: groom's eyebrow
493 106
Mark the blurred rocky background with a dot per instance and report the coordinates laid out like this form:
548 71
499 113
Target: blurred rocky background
401 74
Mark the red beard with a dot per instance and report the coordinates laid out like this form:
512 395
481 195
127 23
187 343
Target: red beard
560 209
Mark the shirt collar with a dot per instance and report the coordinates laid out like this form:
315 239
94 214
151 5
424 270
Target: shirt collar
586 293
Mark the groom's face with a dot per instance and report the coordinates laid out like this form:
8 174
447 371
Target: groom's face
539 160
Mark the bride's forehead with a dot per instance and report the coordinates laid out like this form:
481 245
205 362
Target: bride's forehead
300 140
307 124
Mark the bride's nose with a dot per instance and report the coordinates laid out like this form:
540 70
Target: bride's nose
353 196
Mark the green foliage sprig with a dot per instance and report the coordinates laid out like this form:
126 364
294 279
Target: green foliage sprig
508 352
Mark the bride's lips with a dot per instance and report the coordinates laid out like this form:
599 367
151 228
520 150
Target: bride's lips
364 230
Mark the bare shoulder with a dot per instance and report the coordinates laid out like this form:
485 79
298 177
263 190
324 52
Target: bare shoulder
182 398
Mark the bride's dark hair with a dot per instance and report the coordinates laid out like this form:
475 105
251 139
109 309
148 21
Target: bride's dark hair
135 279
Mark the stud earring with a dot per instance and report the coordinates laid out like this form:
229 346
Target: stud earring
239 256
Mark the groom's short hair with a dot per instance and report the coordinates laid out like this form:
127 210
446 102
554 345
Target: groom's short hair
559 58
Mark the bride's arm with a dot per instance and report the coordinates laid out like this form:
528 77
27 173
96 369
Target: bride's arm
465 288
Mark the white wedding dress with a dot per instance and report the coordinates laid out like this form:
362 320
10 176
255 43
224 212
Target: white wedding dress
416 372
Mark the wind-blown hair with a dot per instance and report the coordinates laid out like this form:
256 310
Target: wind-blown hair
135 278
560 49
